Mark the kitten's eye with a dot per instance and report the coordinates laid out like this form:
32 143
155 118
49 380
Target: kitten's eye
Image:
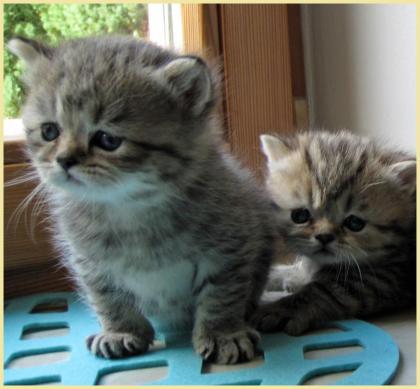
300 215
354 223
106 141
49 131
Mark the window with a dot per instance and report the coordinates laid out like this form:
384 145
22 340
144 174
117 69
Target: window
165 25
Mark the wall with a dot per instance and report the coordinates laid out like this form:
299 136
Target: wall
360 69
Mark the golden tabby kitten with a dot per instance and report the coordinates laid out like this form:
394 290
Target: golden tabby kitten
349 207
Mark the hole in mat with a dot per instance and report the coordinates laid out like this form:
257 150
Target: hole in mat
327 376
136 374
41 357
44 330
325 351
53 380
209 367
53 305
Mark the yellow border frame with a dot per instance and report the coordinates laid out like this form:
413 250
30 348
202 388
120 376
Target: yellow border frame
211 1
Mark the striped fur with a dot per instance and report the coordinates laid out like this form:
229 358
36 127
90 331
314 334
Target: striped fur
167 226
357 273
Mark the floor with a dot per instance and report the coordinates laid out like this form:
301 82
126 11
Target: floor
402 327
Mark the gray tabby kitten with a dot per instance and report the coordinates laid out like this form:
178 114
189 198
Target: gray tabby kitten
348 207
156 221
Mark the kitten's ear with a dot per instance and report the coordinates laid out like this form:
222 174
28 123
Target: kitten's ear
191 83
29 50
404 173
273 147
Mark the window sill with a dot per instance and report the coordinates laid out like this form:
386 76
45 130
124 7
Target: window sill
14 138
13 130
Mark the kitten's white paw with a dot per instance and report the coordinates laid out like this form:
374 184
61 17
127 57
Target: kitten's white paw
227 349
117 345
293 284
277 276
291 278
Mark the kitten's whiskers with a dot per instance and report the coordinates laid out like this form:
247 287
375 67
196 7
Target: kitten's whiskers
22 178
366 187
38 207
347 268
358 267
22 209
339 271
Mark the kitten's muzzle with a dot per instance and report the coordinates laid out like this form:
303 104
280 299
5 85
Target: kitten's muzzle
325 238
67 162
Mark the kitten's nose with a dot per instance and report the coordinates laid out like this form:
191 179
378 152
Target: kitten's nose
325 238
67 162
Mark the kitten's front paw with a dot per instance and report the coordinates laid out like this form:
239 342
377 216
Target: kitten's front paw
296 326
117 345
269 319
227 349
272 317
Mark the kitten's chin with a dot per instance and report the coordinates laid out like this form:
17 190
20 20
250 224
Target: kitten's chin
99 192
320 255
63 181
70 186
324 257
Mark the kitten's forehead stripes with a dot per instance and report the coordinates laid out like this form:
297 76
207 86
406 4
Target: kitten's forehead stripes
310 164
99 111
339 160
317 189
347 184
74 101
349 202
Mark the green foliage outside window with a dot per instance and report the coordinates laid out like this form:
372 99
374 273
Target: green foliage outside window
53 23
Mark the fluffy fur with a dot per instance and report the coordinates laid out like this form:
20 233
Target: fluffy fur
166 226
359 236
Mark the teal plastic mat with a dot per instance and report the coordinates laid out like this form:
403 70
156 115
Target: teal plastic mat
285 360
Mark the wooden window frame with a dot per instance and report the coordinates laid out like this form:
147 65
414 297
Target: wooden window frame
260 49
